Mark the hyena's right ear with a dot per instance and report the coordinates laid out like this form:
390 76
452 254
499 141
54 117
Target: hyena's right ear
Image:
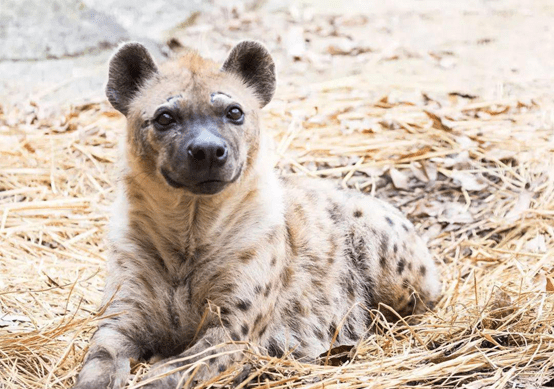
130 67
251 61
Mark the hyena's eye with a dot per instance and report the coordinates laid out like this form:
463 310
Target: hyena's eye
164 119
235 114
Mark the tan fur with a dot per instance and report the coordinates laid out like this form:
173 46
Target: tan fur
280 263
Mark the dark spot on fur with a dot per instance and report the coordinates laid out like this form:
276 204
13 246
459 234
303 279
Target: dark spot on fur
298 308
286 276
221 368
298 354
247 256
214 278
291 239
422 270
349 329
198 253
258 289
405 283
334 212
332 250
235 336
274 235
273 260
358 213
226 323
389 220
317 283
224 311
356 250
226 288
395 248
411 303
368 287
172 312
262 331
244 329
293 324
318 334
409 266
322 300
273 349
400 267
312 268
299 210
182 256
244 305
332 329
149 249
383 249
351 291
257 320
267 289
405 227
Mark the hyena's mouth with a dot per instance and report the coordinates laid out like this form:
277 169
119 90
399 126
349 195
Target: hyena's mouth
206 187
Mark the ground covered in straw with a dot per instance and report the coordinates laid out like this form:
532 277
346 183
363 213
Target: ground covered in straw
473 172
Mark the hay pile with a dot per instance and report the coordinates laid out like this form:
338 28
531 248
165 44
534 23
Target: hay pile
476 176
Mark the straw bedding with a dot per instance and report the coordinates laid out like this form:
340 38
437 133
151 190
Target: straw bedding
476 176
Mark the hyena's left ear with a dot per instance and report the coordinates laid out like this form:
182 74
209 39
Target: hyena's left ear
252 62
130 67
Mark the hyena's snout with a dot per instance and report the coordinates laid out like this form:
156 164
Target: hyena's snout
202 163
207 152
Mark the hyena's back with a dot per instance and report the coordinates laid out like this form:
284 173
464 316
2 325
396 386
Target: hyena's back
348 253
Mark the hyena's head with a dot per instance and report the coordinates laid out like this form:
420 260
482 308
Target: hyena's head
191 124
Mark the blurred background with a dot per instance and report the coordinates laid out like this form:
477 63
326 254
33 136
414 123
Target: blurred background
57 51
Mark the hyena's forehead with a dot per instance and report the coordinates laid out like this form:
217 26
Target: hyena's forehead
216 99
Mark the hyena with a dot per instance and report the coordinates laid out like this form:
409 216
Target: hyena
208 246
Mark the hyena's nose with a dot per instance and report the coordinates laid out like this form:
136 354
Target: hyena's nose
208 151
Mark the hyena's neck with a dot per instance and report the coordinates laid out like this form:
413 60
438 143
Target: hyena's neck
177 224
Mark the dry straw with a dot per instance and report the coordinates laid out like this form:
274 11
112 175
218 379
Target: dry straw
479 187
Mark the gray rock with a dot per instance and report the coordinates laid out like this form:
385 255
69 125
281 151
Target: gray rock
32 30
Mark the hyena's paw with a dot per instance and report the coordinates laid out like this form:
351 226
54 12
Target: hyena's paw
164 375
160 377
100 373
167 375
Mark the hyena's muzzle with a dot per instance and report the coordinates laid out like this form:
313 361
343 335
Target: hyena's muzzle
200 160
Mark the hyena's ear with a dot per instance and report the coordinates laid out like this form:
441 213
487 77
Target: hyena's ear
129 68
252 62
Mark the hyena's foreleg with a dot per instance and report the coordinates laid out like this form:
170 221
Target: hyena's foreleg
107 362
